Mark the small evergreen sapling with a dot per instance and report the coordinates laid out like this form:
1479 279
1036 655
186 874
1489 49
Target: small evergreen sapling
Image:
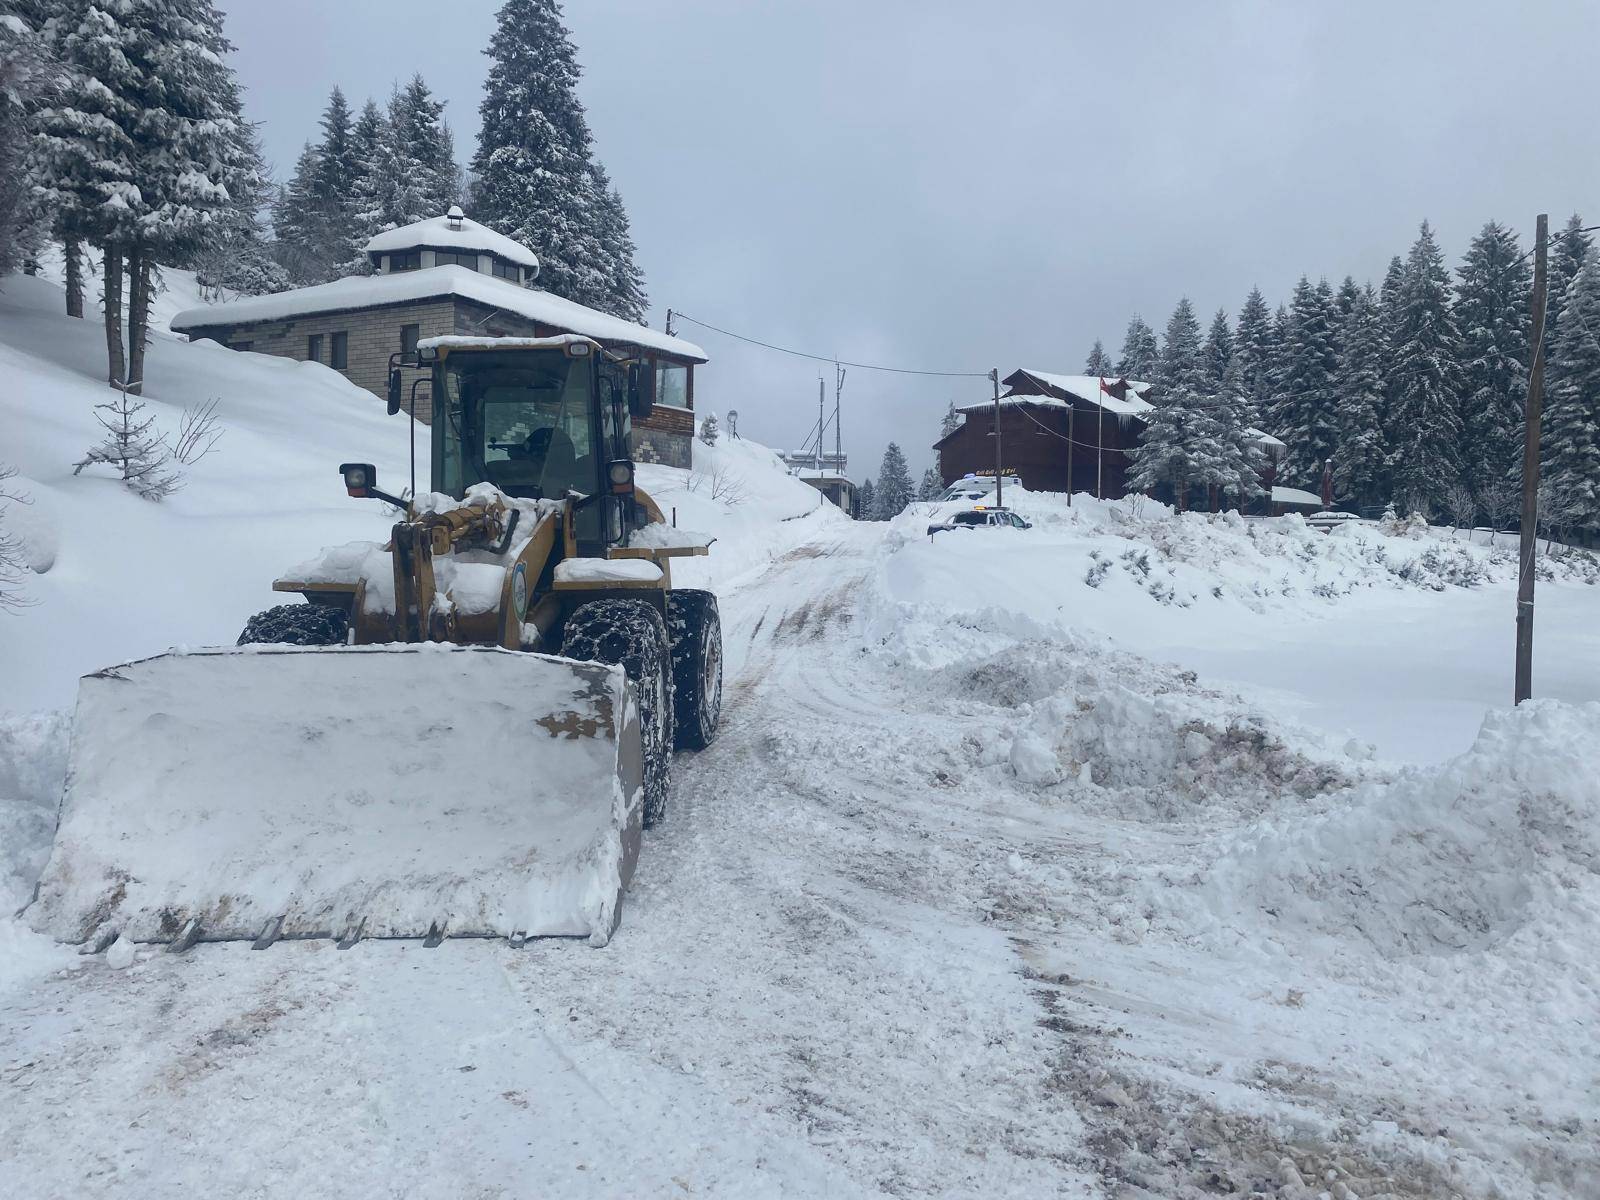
132 447
708 429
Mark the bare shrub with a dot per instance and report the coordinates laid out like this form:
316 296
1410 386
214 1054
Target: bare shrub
1498 499
720 484
12 566
198 434
1461 504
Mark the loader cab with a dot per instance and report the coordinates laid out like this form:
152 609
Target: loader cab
542 419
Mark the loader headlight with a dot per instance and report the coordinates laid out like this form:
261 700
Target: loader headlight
619 473
359 478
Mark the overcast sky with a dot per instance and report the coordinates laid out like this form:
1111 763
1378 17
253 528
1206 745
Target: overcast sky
957 187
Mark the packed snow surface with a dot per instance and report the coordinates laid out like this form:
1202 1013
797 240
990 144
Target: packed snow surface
607 570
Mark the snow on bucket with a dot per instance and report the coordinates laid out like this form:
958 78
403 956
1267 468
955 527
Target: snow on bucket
347 792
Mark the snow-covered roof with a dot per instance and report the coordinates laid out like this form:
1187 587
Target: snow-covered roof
372 291
1289 495
1265 438
826 477
439 232
461 341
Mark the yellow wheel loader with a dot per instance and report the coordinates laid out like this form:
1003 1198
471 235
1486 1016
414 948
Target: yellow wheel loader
458 733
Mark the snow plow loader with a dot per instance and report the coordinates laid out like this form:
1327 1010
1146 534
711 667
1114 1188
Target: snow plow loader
459 733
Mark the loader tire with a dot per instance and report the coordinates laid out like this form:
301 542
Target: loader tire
632 635
297 625
696 630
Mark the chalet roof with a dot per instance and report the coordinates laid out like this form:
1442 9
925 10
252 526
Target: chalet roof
448 233
1297 496
374 291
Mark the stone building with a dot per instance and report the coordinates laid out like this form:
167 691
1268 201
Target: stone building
448 275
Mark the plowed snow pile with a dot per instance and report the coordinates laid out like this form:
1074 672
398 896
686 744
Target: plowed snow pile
1502 840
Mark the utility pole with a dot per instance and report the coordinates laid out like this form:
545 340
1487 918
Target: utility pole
1072 411
670 330
821 426
999 496
838 437
1530 468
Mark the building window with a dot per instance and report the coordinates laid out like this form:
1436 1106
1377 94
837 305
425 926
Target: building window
240 345
406 260
314 348
448 258
672 384
507 270
340 359
408 340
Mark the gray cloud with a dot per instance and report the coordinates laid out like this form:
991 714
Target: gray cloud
933 184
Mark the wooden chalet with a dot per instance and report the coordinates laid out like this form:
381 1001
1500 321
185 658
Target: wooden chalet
1060 433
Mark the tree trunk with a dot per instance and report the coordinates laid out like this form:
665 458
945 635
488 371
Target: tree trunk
113 305
74 252
138 314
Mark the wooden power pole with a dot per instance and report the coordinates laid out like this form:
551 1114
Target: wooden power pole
1530 468
999 496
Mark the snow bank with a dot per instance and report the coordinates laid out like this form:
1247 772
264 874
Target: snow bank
33 760
740 493
1446 860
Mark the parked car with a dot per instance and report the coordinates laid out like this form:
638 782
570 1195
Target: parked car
981 518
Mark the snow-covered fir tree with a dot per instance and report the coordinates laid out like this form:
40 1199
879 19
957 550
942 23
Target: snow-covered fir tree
1252 354
1303 411
1141 355
146 150
315 213
132 447
1572 438
1569 249
534 178
293 223
950 422
1216 353
932 484
1425 381
625 281
374 154
1099 363
867 501
1179 361
430 181
708 429
238 257
1492 312
1344 300
1360 463
28 77
893 491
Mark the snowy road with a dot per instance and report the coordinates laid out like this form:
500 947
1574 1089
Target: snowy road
858 959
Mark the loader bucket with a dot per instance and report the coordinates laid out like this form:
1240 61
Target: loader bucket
407 791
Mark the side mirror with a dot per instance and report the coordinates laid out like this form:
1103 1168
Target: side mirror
394 390
360 479
639 401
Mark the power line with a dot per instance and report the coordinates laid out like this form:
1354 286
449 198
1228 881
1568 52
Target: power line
829 358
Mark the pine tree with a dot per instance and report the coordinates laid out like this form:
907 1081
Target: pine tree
867 502
144 154
893 491
1572 444
1492 311
1569 249
1303 409
294 224
1426 375
1216 355
534 183
1360 463
932 485
239 257
625 294
950 422
28 78
1141 355
1099 364
1389 311
708 429
1252 355
1179 364
132 447
373 154
431 179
